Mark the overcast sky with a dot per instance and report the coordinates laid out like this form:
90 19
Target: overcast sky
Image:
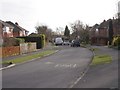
56 13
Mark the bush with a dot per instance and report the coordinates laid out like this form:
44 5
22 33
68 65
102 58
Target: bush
11 41
116 41
43 40
19 40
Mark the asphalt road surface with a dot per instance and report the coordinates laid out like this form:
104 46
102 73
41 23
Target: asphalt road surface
103 75
60 70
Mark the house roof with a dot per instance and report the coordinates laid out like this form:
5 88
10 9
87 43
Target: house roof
16 27
104 24
6 24
94 27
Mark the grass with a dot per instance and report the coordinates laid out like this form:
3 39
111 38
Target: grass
94 49
101 59
27 58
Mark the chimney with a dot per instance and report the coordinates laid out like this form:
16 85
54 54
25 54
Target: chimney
16 23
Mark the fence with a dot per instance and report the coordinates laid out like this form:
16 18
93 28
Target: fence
17 50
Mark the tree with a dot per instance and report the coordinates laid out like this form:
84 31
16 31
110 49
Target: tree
67 32
80 31
59 31
43 29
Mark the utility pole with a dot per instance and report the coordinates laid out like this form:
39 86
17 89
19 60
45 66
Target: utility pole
110 30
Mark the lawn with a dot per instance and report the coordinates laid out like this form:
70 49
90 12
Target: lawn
27 58
101 59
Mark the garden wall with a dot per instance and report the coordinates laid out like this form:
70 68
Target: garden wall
17 50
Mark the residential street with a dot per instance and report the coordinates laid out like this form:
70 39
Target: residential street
60 70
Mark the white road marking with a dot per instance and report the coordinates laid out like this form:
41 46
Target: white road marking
49 63
82 75
66 65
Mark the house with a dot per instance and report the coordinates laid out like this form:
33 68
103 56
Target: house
103 33
18 30
116 27
93 34
99 34
6 30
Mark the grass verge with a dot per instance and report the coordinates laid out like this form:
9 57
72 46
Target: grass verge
27 58
101 59
94 49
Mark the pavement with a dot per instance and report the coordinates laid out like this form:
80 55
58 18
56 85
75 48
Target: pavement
49 46
104 75
60 70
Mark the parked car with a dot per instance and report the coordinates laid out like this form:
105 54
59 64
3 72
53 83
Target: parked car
75 43
58 41
66 42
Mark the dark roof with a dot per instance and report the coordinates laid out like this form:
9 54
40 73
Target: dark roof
6 24
94 27
16 27
104 24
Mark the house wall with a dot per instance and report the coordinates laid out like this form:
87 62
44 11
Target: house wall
102 41
8 32
103 32
116 30
16 34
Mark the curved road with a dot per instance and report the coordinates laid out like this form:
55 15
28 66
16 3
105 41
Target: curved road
60 70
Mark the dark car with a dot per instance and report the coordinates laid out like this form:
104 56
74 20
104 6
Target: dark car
75 43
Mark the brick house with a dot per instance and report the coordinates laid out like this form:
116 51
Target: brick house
93 34
9 29
18 30
6 30
99 33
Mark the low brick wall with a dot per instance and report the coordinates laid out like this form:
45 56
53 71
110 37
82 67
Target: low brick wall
17 50
10 51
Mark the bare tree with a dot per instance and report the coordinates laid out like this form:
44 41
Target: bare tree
80 31
43 29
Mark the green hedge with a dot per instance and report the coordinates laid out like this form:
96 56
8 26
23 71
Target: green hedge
43 40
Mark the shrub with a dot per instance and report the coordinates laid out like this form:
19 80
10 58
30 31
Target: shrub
116 41
11 41
19 40
43 40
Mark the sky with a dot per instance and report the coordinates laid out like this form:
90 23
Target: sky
56 13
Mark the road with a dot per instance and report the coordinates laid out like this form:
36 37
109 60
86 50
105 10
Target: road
104 75
60 70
